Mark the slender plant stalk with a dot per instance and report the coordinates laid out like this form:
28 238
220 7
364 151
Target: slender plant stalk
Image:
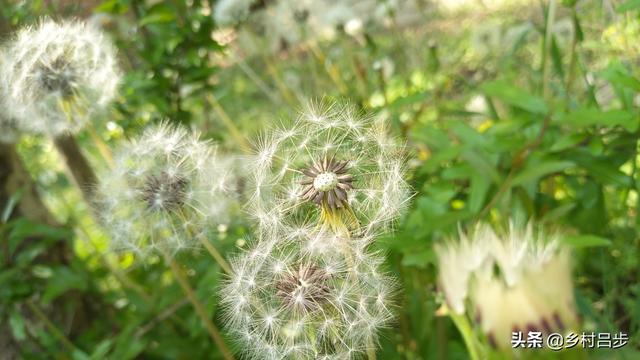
103 149
548 40
51 326
228 123
462 323
286 94
371 351
215 254
198 307
116 271
332 70
258 81
78 165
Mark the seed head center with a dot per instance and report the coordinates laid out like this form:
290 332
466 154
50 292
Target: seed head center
325 181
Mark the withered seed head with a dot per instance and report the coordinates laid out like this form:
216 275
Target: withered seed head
327 182
304 289
164 191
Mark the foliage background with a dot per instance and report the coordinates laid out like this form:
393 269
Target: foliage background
504 116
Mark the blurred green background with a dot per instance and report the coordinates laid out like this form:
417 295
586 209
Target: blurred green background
509 108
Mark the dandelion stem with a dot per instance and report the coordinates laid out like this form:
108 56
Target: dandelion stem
103 149
198 307
229 124
258 81
78 165
215 254
279 83
371 350
51 327
332 70
115 270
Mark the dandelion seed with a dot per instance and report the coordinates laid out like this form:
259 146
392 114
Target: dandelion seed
160 191
520 279
347 171
57 76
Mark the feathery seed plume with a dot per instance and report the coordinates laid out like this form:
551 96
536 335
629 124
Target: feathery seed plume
167 188
290 297
332 167
57 76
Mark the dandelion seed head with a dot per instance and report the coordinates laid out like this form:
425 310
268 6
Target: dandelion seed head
165 198
346 167
56 77
306 304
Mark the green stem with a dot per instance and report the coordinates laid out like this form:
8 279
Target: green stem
198 307
548 39
462 323
51 327
215 254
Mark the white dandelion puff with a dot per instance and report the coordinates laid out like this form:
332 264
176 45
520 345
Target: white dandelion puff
231 12
57 76
286 300
517 280
331 166
167 189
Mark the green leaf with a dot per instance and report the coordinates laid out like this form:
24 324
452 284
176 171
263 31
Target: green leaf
63 280
418 258
482 165
601 169
584 241
102 349
567 141
628 5
16 322
159 16
478 192
535 171
617 74
516 97
590 117
11 204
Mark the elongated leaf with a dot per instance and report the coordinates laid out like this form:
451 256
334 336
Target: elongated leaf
584 241
617 74
628 5
538 170
515 97
478 192
590 117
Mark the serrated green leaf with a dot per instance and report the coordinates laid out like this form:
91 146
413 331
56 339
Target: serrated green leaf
584 241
